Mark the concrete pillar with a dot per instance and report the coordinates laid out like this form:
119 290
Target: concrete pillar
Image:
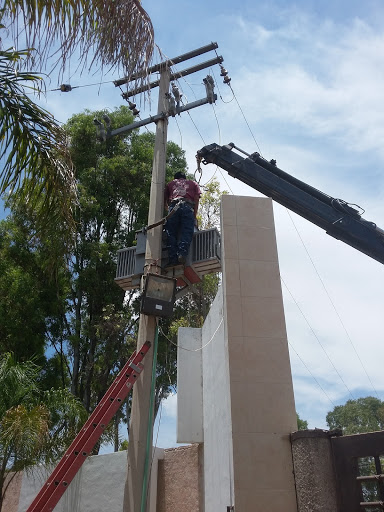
260 383
314 471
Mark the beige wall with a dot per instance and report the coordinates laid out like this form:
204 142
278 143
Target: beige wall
12 495
261 392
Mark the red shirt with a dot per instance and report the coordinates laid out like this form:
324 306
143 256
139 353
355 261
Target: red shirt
187 189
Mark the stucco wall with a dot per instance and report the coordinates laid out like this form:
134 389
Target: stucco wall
189 386
97 487
218 463
13 484
314 471
179 480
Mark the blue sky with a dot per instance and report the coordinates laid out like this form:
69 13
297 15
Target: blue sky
309 77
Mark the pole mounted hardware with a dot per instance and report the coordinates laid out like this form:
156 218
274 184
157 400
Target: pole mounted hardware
167 63
224 74
65 88
173 108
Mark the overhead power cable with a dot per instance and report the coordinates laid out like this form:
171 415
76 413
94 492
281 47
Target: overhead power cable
309 371
317 338
333 304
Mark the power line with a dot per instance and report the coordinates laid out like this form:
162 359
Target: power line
317 338
309 371
332 303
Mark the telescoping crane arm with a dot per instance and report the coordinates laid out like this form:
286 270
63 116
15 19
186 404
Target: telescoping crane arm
338 218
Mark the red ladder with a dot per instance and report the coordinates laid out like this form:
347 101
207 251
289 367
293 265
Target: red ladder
81 447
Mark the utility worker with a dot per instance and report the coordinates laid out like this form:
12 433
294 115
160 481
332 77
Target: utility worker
180 226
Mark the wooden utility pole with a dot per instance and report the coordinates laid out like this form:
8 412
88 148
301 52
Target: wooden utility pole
140 426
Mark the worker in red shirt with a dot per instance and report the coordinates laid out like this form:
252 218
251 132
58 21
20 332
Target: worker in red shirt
180 225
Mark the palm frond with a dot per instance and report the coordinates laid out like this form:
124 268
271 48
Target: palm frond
26 432
17 382
32 144
114 34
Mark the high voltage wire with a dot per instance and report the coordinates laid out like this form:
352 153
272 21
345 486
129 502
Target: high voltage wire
332 303
309 371
317 338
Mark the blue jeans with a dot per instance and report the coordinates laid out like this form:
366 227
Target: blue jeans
179 229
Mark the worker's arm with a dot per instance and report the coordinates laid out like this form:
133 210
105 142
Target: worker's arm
197 199
196 206
166 197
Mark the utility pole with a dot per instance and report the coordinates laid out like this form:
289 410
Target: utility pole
140 426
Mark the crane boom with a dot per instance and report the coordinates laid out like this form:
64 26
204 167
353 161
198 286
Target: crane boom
337 217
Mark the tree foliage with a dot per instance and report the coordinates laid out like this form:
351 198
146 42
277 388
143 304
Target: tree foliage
301 424
35 425
116 34
27 298
358 416
80 312
32 145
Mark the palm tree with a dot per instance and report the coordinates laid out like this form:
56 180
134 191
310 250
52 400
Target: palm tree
116 34
35 426
113 34
32 144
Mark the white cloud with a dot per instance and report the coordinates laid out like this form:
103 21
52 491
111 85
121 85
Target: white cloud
170 406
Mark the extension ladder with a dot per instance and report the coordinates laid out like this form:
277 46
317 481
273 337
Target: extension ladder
81 447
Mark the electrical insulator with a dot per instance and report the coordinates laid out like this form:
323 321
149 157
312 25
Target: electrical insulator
131 105
224 72
135 112
176 92
226 80
65 88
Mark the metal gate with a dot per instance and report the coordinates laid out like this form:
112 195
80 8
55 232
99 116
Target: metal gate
359 466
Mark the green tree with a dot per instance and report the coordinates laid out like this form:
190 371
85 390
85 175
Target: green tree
80 312
36 426
301 424
358 416
27 297
209 205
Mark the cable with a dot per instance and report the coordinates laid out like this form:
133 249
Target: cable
309 371
181 136
332 303
78 86
196 128
245 119
317 338
217 122
222 175
238 104
154 447
188 349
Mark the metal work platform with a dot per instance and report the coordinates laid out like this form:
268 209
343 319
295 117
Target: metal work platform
204 257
